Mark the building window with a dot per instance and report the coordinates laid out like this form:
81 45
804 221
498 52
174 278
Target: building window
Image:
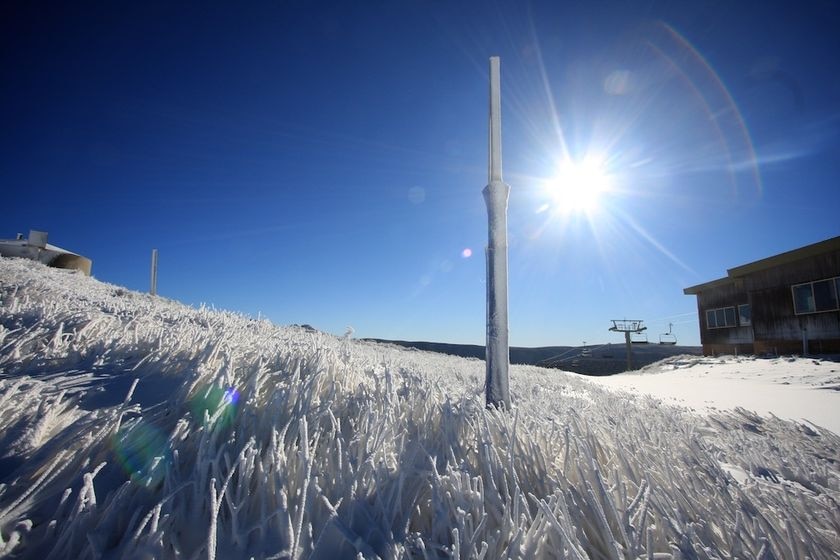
816 297
720 318
825 295
744 315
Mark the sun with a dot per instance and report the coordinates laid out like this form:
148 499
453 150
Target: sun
577 186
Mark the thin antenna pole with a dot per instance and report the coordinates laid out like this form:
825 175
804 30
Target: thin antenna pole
496 195
153 288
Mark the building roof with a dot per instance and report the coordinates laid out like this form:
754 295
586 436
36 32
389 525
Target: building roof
693 290
788 257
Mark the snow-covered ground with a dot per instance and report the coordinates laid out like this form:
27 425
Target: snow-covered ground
800 389
134 426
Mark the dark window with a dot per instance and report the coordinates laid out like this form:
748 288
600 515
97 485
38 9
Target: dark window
825 295
730 316
814 297
803 298
720 318
744 314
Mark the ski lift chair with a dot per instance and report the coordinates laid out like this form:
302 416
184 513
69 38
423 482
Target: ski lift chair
669 337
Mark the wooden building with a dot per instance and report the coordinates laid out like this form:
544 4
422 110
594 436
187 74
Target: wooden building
785 304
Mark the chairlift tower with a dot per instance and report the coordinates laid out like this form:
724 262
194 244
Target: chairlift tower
628 326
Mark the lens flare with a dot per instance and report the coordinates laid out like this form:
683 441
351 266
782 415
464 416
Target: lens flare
143 452
218 405
741 133
231 396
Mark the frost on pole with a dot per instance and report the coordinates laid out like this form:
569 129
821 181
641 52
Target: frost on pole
496 197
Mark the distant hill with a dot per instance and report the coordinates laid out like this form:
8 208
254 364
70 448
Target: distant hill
598 359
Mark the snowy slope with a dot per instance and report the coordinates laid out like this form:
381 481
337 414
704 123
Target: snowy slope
134 426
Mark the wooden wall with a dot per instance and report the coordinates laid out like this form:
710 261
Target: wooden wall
728 340
775 326
774 320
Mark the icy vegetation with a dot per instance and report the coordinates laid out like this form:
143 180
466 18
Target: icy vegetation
137 427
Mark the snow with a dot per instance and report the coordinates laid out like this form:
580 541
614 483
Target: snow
799 389
133 426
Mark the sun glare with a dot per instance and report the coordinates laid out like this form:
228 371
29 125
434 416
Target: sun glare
578 185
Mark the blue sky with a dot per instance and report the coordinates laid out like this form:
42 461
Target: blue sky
322 163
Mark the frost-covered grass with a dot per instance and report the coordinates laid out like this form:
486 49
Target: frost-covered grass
134 426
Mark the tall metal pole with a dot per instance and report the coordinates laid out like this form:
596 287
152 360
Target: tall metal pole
496 197
153 287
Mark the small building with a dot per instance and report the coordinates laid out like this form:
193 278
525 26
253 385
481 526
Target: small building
785 304
35 247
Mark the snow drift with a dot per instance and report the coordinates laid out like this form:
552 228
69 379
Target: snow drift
136 427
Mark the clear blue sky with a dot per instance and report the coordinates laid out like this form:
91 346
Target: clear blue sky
323 163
